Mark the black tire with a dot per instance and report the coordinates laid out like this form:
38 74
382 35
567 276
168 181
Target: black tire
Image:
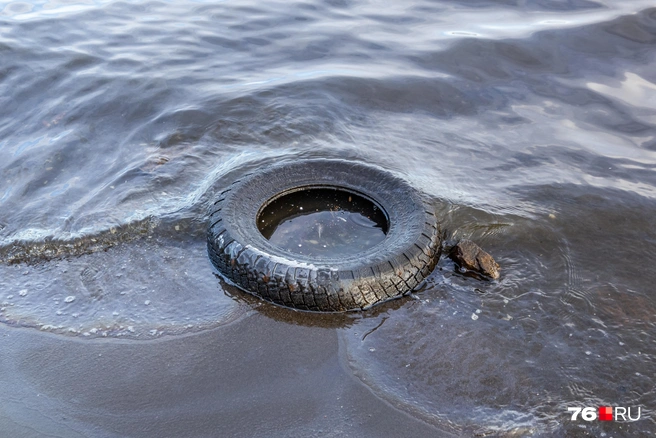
390 269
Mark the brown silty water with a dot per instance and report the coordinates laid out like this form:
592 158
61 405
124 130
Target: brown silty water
323 222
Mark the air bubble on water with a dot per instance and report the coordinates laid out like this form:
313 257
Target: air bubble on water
588 352
372 349
69 299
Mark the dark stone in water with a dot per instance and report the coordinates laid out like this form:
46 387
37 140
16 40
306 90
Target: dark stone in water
472 260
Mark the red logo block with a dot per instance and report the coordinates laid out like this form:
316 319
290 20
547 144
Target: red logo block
605 413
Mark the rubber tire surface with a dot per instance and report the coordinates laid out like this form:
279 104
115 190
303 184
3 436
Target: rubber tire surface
390 269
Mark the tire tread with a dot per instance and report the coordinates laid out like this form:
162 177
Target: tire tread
320 290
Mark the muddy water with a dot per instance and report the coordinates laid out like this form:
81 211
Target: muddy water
323 223
529 124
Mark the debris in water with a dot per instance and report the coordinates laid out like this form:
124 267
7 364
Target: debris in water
23 292
69 299
474 316
472 260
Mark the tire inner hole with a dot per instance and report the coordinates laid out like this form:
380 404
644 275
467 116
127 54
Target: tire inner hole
323 222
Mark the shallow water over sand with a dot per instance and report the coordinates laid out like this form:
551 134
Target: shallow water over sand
530 125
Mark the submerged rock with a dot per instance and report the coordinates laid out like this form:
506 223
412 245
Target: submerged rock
472 260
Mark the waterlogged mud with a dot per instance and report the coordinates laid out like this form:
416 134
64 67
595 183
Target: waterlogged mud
141 289
25 252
